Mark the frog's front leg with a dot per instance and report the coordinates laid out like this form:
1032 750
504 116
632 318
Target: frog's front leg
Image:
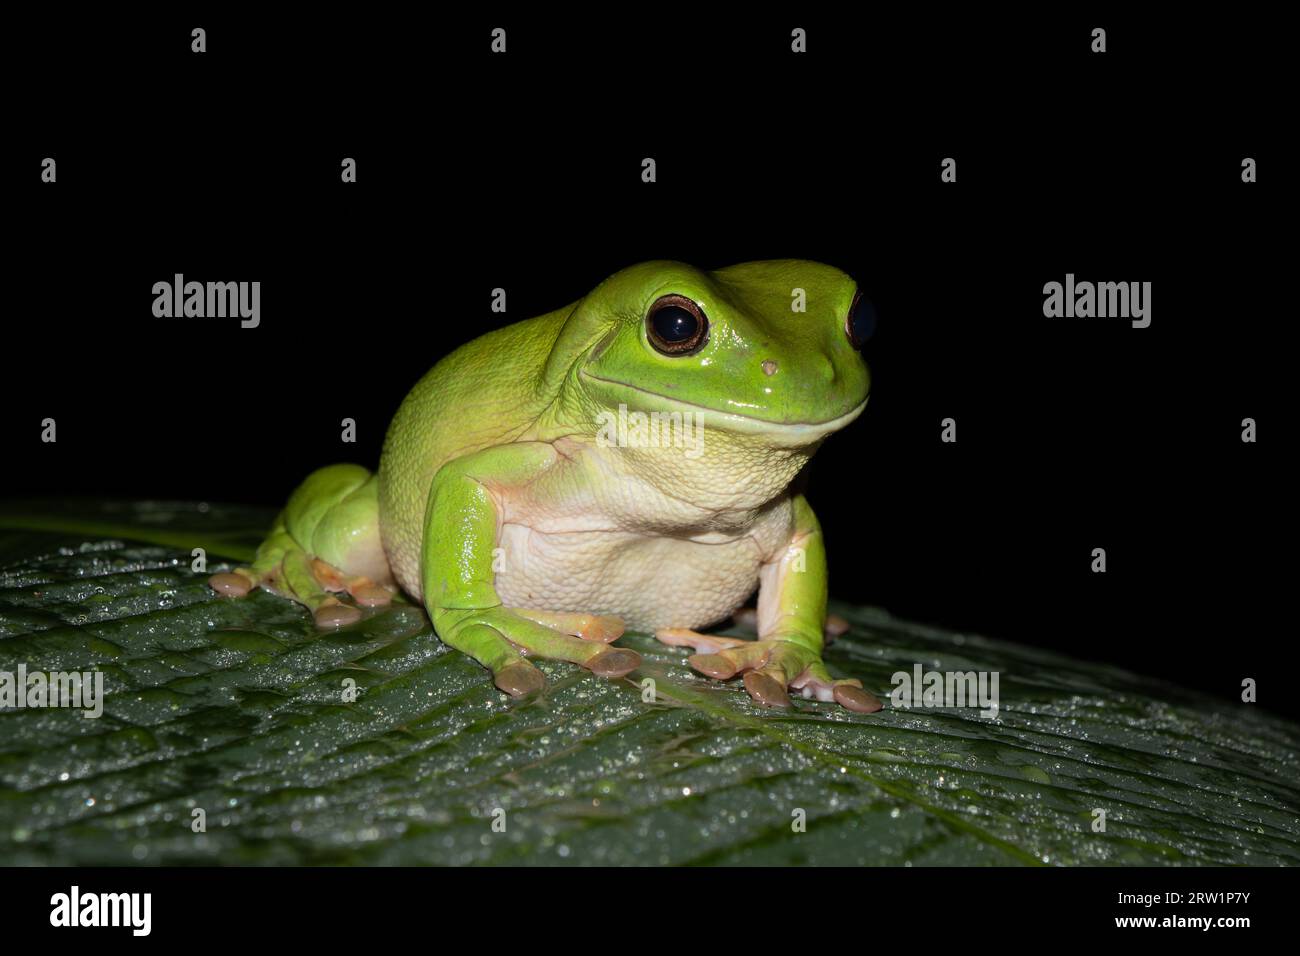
791 619
461 529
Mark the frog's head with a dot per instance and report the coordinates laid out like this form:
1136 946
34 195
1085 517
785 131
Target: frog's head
767 351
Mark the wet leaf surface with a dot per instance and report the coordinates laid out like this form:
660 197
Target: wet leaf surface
237 708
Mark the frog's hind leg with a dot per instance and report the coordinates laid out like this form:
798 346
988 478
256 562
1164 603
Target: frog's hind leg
325 543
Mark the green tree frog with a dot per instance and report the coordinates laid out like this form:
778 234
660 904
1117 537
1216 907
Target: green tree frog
625 461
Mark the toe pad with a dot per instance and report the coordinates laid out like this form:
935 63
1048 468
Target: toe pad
336 615
229 584
856 699
766 690
614 663
519 679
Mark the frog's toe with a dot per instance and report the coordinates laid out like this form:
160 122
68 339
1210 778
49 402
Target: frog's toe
713 665
766 689
725 657
856 699
614 662
729 661
767 665
815 682
362 590
327 576
704 643
368 594
519 679
336 614
835 626
526 634
235 583
601 628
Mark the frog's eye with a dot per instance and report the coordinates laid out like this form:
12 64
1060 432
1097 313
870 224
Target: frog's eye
676 326
861 321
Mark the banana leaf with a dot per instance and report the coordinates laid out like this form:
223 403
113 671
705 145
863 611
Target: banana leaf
233 732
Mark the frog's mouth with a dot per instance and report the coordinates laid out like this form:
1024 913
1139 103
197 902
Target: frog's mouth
739 422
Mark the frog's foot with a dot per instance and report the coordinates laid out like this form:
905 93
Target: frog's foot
325 543
770 667
746 618
360 588
310 582
502 639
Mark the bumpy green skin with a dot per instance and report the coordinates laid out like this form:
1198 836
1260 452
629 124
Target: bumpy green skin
501 505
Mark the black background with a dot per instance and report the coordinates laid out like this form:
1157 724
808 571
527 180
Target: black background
334 906
523 172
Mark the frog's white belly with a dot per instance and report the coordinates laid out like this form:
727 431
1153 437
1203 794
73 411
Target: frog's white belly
600 535
649 581
659 540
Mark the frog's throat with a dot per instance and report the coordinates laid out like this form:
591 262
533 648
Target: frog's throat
792 434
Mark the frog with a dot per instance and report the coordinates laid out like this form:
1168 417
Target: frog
524 500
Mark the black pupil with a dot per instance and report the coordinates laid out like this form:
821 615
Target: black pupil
674 324
864 321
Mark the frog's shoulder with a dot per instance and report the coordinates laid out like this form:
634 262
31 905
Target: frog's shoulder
486 392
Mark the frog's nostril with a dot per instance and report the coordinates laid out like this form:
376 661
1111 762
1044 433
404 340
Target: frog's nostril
769 367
